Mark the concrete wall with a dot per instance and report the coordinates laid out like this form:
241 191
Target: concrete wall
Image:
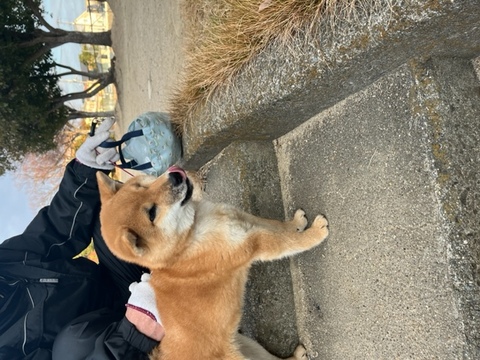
285 86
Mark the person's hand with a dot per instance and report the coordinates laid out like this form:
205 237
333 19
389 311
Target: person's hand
142 309
90 154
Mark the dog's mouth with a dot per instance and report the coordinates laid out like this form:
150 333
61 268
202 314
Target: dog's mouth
178 177
177 170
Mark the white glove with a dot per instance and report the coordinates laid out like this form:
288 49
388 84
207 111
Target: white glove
96 157
142 309
143 296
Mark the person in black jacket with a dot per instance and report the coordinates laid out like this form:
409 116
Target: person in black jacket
54 305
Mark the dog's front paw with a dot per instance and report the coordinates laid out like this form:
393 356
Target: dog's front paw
299 220
300 353
320 224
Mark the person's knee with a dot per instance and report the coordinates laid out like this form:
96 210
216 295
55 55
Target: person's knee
77 340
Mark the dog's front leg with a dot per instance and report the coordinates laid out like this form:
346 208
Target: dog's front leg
273 240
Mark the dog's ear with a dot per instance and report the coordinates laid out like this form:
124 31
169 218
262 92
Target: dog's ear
135 241
107 186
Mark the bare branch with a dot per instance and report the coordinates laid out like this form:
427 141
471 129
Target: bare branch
37 12
63 66
73 71
96 87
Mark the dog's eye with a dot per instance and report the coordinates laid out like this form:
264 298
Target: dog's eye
152 213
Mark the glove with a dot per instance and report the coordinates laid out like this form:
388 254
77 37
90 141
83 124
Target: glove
96 157
142 309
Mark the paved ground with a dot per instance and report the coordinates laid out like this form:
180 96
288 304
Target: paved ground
148 44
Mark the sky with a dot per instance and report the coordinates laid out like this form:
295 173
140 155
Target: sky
15 211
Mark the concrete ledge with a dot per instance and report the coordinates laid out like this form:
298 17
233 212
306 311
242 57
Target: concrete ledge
285 87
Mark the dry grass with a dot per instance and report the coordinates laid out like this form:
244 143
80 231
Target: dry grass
224 35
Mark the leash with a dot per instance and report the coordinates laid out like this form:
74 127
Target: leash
123 169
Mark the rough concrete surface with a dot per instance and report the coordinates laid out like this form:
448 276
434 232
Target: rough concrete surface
449 92
382 285
246 175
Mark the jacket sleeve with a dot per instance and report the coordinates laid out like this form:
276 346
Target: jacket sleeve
122 341
101 334
64 228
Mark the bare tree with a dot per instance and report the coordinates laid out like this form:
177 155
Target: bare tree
40 174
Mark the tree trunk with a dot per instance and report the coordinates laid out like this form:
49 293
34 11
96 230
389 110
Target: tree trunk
75 114
60 37
52 39
79 37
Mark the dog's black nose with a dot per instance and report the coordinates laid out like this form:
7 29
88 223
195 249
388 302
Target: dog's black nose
175 178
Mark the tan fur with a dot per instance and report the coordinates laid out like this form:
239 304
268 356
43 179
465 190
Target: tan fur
199 254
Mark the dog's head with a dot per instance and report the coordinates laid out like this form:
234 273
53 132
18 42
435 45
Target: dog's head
145 219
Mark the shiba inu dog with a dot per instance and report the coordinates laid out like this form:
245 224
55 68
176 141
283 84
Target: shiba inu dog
199 254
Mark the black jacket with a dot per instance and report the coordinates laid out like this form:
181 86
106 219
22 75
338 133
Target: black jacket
44 289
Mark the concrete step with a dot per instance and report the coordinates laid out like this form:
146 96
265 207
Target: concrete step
246 175
395 168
